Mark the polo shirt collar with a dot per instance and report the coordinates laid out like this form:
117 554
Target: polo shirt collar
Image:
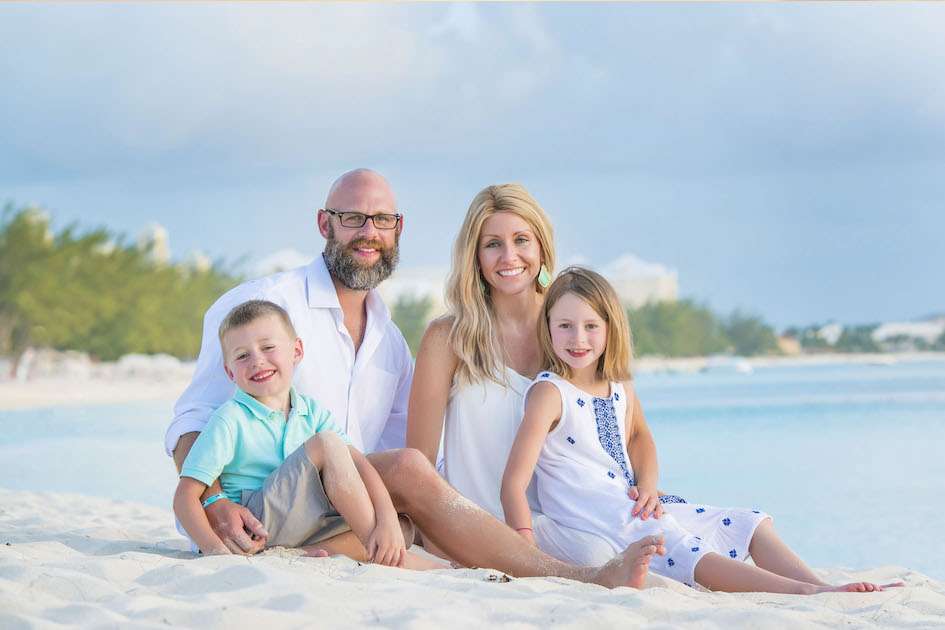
255 407
262 412
322 294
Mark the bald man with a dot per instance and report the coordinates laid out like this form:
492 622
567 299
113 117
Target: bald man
359 366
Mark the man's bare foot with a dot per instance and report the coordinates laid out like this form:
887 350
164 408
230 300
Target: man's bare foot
630 567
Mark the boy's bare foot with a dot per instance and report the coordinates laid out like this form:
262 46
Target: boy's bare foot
630 567
316 553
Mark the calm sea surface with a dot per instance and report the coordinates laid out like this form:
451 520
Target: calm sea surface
846 458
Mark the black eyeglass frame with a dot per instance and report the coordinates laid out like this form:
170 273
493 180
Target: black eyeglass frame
372 217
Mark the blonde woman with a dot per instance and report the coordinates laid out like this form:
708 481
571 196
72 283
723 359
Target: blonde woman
474 365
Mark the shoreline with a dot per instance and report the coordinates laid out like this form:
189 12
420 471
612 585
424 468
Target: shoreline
683 365
107 384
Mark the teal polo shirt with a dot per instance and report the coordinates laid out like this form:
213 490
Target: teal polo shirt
244 441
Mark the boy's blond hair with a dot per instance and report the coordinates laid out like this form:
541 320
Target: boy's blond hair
593 288
248 312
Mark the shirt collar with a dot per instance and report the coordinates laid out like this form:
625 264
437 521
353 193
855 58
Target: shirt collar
321 290
262 412
322 294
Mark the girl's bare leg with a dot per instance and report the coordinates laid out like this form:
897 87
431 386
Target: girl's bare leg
718 573
473 537
772 554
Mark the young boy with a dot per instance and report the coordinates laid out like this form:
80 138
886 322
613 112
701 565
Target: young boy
280 454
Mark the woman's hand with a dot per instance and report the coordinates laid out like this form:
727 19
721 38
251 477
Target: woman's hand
648 502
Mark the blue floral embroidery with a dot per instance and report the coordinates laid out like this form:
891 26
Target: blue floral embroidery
616 396
545 374
694 549
726 521
570 439
671 498
608 433
732 553
580 402
700 510
688 584
755 512
611 475
670 562
698 538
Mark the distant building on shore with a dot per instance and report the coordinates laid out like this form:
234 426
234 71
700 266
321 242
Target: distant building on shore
639 282
928 330
154 242
831 333
417 283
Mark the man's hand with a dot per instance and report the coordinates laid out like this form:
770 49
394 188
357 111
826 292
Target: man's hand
230 521
386 545
648 502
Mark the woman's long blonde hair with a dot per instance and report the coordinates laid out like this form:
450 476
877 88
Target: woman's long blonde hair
474 335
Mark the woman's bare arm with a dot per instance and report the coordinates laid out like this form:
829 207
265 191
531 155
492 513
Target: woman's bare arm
432 377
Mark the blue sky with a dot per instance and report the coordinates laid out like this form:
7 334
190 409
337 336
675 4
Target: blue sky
786 159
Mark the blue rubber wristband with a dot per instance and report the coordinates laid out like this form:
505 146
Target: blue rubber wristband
210 500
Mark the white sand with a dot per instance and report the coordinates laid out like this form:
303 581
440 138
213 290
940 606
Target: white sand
69 560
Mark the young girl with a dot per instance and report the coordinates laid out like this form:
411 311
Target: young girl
585 439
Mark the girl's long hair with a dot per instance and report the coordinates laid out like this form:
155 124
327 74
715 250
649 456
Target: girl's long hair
593 288
474 335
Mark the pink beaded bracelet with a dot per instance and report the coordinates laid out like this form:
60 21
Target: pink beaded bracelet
521 528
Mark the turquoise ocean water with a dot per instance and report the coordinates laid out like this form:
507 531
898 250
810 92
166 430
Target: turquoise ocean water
846 458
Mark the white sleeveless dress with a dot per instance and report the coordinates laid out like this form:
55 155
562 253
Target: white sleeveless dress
480 425
583 474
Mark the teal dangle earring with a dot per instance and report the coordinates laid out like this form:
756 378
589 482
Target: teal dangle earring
482 285
544 278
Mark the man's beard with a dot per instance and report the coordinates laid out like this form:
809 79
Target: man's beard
339 259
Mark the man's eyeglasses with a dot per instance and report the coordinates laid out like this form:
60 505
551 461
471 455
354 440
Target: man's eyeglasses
358 219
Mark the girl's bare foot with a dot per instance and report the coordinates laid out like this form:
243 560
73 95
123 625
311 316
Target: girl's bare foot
858 587
630 567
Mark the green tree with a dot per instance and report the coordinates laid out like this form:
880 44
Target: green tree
857 339
412 316
90 292
676 329
749 335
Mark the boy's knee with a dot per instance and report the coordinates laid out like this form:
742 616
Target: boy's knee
323 444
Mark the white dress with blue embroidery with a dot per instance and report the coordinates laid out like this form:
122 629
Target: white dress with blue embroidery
583 474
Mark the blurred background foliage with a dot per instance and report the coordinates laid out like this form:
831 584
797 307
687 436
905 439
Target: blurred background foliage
91 292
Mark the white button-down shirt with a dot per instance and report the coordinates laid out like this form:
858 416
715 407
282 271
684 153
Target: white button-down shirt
366 392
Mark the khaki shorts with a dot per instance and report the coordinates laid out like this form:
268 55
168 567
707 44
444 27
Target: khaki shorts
292 505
